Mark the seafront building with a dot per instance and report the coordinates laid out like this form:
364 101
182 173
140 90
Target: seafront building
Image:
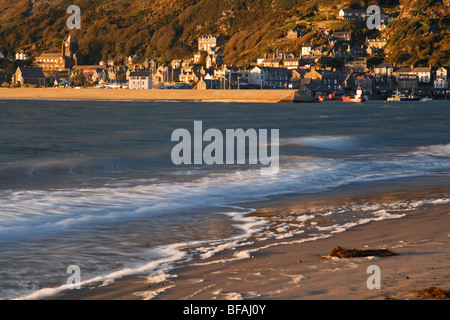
441 79
29 76
140 80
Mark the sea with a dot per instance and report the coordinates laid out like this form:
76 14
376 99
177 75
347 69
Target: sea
92 184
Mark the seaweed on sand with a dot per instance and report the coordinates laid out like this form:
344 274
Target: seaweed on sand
340 252
433 293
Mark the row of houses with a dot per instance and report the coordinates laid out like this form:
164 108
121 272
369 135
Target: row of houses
411 77
226 76
206 69
383 78
308 51
310 79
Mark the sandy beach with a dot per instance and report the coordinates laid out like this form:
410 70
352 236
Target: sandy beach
291 269
260 96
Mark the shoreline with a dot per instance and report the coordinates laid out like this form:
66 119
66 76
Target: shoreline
161 95
186 95
294 269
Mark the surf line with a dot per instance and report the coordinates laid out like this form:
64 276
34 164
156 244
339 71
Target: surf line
190 150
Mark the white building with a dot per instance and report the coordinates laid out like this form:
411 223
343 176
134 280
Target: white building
383 70
21 55
441 79
270 77
424 74
306 49
352 14
207 42
140 80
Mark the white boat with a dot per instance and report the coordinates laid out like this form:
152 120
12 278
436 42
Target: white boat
402 97
426 99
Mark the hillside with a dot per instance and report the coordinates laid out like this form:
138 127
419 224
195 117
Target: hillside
421 34
168 29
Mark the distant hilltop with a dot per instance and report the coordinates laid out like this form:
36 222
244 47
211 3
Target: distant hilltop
418 30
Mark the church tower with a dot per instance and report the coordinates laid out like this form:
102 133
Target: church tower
68 47
71 53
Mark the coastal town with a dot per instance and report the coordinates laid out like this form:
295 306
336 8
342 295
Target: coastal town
337 67
224 154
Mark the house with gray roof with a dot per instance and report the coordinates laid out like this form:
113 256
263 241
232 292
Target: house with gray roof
29 75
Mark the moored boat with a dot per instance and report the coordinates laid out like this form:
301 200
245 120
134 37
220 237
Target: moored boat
330 97
402 97
356 98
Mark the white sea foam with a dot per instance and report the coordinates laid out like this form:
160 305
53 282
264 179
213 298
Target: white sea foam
229 295
167 256
244 254
439 150
150 294
299 278
159 276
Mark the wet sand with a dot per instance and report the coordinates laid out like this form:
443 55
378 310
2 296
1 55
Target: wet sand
290 270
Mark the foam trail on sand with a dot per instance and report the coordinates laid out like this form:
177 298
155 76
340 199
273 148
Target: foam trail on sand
170 254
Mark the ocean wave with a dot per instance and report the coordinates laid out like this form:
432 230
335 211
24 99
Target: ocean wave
335 143
438 150
31 212
84 166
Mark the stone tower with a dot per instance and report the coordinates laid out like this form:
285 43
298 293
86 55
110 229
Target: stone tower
71 53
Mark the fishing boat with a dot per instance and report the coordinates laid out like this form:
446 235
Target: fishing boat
330 97
410 98
395 96
402 97
356 98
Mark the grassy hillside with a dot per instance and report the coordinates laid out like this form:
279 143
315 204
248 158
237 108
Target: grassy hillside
167 29
421 34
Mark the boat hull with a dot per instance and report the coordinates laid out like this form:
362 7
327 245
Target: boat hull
357 100
409 99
